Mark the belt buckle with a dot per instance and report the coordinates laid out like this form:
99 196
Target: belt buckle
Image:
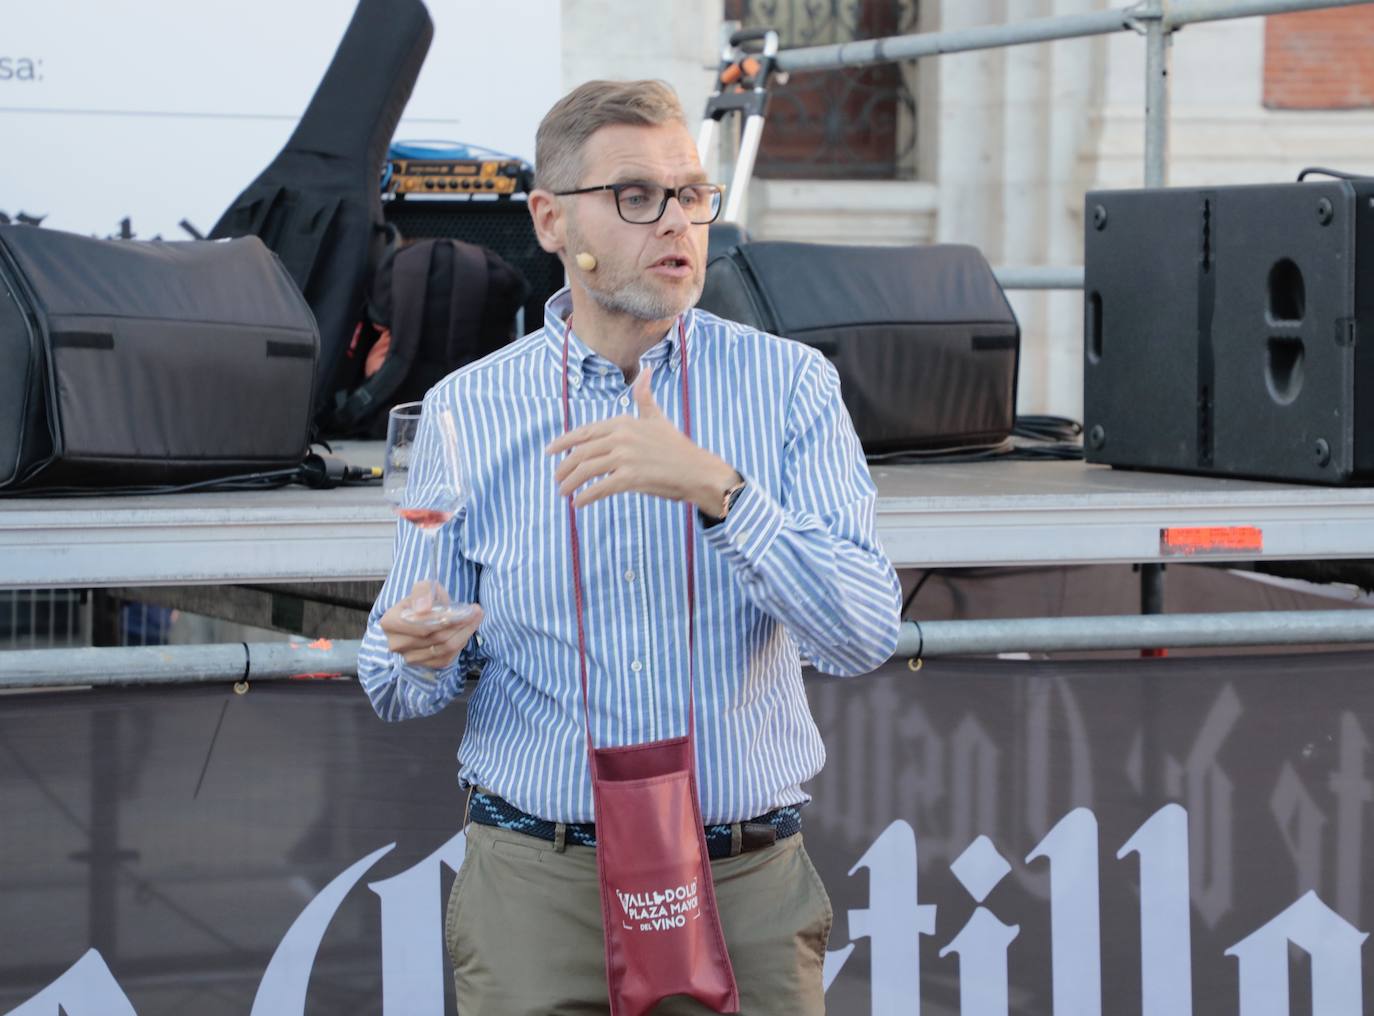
755 835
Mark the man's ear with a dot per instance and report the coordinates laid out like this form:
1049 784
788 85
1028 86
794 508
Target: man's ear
548 220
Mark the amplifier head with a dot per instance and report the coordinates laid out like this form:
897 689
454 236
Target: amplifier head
461 176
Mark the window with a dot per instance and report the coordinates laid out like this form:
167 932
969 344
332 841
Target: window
849 124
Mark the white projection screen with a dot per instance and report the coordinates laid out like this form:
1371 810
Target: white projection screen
163 110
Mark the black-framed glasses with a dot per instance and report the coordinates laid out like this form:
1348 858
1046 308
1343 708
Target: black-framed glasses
643 203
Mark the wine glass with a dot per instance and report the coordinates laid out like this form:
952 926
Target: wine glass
422 478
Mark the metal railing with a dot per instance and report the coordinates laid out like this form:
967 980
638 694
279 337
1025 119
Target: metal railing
238 662
30 618
1156 20
245 662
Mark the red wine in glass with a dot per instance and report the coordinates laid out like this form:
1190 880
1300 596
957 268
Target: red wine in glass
427 519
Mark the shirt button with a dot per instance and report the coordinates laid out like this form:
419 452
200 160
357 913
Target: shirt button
629 575
636 666
624 400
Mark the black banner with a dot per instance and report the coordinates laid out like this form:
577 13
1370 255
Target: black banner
1148 837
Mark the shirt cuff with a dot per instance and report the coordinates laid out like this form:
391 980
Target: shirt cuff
419 680
749 529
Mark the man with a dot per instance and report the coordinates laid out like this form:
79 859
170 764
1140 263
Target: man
787 564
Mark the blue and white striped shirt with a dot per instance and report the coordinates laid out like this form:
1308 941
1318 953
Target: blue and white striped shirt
794 567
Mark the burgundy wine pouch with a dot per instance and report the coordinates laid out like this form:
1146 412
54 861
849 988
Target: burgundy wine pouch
658 903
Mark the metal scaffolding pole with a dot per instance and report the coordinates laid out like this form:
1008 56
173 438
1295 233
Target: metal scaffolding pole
239 661
1039 276
1175 631
1188 12
1157 39
1177 13
208 664
963 40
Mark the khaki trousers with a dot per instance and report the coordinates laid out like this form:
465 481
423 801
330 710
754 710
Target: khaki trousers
523 929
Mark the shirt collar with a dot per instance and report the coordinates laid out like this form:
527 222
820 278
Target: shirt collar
582 357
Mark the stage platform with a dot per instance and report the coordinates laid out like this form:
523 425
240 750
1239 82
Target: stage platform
931 515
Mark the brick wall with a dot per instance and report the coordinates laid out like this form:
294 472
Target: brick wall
1320 59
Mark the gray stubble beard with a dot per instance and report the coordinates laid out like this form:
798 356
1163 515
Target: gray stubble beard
641 304
632 297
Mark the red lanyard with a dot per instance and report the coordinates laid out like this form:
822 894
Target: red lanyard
690 551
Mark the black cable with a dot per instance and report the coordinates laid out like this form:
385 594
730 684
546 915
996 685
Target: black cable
317 470
1033 438
1064 452
1338 174
1047 428
911 596
243 481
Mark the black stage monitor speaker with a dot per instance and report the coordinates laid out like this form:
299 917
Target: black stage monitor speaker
1229 330
923 338
501 225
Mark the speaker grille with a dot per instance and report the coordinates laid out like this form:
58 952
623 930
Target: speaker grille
503 226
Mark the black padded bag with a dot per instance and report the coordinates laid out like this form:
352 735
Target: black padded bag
124 362
924 339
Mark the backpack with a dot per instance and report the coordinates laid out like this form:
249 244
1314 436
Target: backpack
440 303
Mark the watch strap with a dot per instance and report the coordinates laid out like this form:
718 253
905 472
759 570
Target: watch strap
728 498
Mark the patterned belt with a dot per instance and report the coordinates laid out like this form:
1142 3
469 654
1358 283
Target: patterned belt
721 840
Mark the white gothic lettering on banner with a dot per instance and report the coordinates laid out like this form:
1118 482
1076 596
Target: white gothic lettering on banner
413 965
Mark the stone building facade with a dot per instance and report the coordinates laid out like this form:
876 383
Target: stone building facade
1007 141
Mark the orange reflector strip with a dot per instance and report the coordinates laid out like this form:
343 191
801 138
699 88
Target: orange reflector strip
1188 541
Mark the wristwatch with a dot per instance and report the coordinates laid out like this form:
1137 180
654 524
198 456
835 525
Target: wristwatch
727 501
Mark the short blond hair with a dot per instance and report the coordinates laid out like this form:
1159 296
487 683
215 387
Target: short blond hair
565 129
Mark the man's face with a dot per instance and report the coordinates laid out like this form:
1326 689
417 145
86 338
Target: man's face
651 271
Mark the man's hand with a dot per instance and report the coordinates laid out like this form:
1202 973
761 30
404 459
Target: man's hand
432 646
647 454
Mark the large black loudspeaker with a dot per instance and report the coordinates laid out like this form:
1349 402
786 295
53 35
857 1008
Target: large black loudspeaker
501 225
1230 330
